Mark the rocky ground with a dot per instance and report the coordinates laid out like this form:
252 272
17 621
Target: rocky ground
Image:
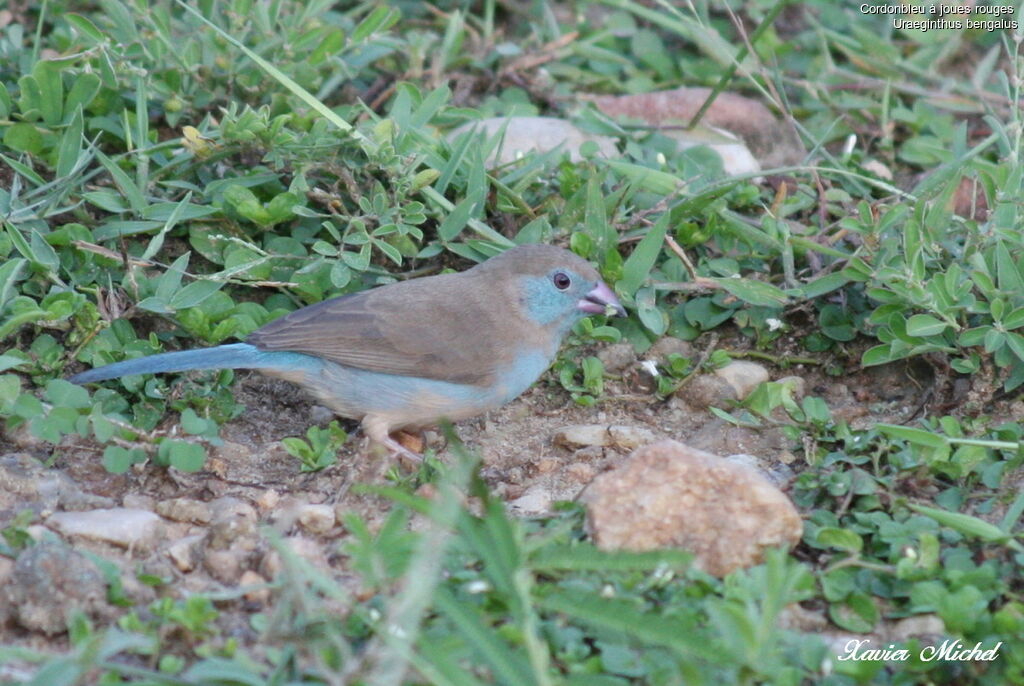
205 532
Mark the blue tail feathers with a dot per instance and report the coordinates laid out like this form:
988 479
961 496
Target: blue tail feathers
233 356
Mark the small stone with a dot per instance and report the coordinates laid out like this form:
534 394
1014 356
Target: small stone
707 390
616 357
184 552
233 523
670 495
316 519
546 465
49 582
630 437
917 625
268 500
743 376
580 435
261 594
309 550
670 345
226 566
535 501
124 527
581 472
185 510
520 135
228 507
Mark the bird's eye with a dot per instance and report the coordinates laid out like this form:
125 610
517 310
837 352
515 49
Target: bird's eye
561 280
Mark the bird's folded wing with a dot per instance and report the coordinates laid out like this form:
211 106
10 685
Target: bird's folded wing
436 328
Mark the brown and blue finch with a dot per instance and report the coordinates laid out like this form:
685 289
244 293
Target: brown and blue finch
408 354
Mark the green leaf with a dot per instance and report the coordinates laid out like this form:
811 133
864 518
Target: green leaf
136 200
925 325
24 137
1015 319
11 272
380 19
193 294
70 148
653 180
637 268
85 27
757 293
169 283
456 220
967 525
66 394
509 665
1008 275
844 539
823 285
622 616
51 91
588 557
82 93
856 613
917 436
188 457
117 460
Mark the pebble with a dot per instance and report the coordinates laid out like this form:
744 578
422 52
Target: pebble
707 390
669 345
261 594
185 510
306 548
626 437
226 566
917 625
616 357
185 552
520 135
121 526
316 519
670 495
743 376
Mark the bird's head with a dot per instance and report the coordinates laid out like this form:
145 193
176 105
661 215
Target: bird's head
555 287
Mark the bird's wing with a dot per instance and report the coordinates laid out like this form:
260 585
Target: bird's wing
438 327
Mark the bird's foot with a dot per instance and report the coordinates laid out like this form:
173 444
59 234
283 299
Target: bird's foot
396 449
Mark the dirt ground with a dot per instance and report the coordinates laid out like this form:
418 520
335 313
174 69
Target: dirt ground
209 541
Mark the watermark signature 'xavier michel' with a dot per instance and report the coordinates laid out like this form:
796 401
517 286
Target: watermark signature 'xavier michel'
954 650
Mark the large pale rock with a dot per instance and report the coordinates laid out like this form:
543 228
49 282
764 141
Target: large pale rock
520 135
668 495
772 142
122 526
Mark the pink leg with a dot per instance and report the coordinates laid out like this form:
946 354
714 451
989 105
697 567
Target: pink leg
376 430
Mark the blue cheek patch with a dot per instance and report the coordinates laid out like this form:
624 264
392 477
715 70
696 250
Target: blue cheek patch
545 305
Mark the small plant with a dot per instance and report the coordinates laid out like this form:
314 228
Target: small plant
320 450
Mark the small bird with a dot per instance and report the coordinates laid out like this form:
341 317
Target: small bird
408 354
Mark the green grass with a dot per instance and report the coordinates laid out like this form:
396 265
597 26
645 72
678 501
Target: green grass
290 190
